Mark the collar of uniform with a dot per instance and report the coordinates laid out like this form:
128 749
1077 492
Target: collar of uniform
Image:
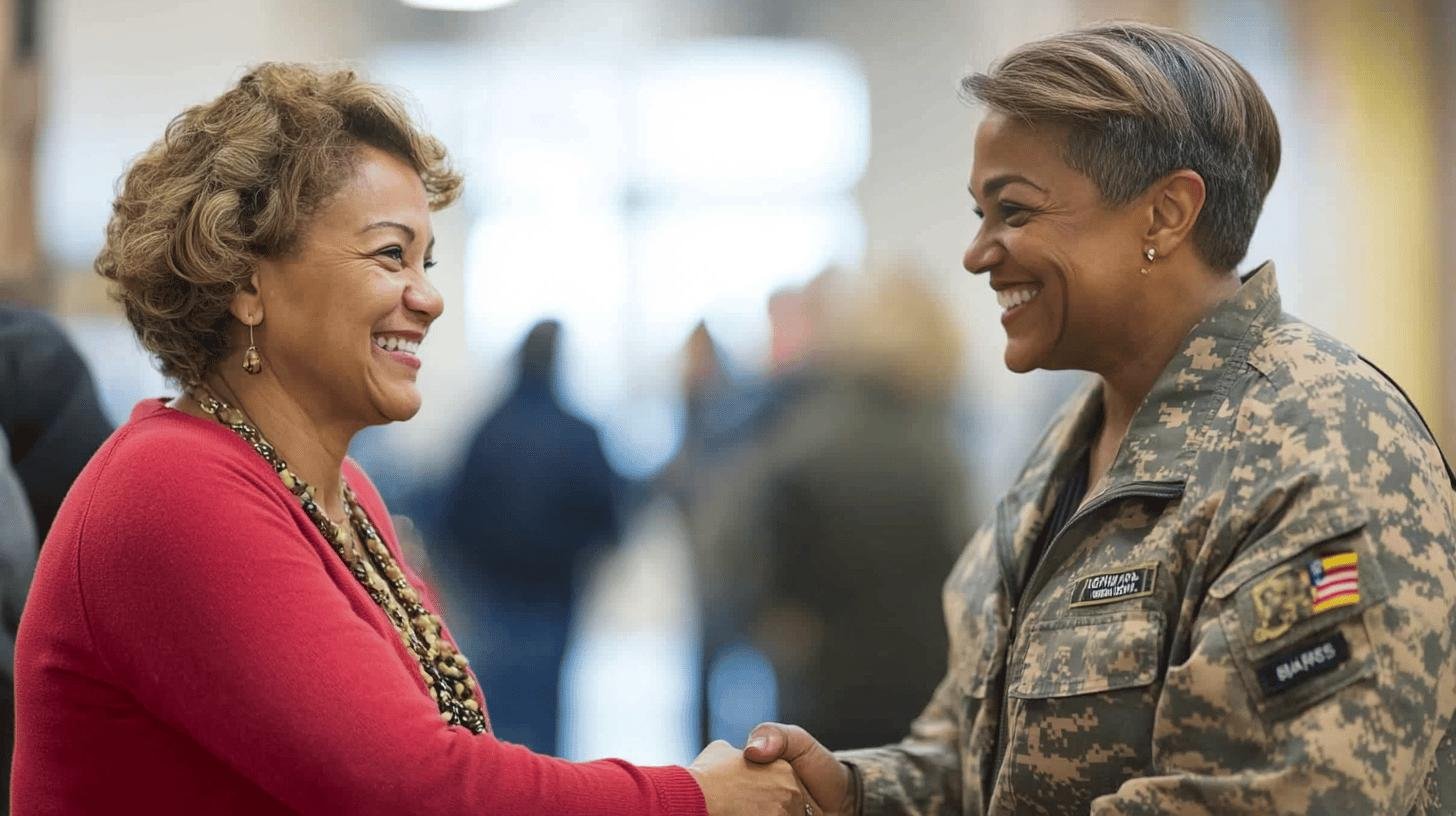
1168 428
1027 505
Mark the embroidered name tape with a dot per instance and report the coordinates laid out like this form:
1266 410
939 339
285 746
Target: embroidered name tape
1302 663
1118 585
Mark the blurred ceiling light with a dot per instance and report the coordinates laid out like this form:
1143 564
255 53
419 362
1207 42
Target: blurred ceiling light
457 5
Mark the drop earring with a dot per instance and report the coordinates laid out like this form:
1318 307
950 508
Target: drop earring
252 360
1150 254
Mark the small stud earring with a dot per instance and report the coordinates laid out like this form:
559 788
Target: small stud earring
252 360
1150 254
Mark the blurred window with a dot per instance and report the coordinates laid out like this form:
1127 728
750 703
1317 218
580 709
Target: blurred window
633 197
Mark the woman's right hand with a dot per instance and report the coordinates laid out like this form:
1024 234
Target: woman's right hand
733 786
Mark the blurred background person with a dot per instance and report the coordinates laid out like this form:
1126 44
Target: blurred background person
730 562
707 390
18 544
48 409
852 497
50 425
533 502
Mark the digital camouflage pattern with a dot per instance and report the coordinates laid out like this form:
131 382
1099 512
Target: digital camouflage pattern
1264 445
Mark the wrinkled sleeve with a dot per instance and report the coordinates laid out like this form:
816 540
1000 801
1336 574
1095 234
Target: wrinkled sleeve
1279 707
919 776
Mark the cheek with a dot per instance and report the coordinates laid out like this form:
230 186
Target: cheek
1080 267
367 308
1052 264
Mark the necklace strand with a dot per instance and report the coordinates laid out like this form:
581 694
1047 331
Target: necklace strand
442 666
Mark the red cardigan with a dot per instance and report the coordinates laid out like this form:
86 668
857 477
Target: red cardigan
193 645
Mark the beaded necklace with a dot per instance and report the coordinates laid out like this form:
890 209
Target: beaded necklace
373 566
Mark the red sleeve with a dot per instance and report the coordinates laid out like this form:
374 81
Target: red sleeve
204 600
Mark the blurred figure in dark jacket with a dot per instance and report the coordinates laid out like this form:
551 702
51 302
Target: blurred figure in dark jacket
706 390
48 409
534 498
18 546
50 425
852 503
711 403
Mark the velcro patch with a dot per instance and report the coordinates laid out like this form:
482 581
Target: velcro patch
1118 585
1335 581
1304 662
1297 592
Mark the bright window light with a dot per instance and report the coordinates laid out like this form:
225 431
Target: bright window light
750 118
722 261
547 132
457 5
632 197
570 264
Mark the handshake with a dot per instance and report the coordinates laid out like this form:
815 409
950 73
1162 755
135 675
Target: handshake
781 772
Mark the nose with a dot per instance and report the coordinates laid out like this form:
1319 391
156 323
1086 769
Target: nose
422 298
983 253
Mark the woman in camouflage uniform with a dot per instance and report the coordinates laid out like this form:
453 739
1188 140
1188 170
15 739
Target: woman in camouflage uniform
1224 581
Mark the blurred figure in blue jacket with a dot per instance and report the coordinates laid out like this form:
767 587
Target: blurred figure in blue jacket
533 500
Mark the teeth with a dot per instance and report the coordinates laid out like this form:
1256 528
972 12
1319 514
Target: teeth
1011 298
394 343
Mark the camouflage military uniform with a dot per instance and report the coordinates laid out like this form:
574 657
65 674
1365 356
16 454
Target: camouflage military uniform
1252 613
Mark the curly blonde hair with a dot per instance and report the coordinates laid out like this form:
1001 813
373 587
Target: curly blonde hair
235 180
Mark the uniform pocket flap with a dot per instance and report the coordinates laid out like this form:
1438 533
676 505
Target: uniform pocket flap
1089 654
1289 540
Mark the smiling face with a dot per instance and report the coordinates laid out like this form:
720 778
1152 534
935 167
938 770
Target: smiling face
1064 264
345 310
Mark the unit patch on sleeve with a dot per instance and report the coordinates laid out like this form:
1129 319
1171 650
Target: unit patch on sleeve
1304 590
1308 660
1119 585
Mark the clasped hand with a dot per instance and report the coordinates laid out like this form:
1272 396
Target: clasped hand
782 772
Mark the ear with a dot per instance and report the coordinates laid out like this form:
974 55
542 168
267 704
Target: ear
1176 201
247 304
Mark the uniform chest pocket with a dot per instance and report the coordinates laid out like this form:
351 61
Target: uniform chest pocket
1089 654
1080 714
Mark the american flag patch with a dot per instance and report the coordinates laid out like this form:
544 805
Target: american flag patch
1335 581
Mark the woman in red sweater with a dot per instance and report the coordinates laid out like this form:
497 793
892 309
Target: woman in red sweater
221 621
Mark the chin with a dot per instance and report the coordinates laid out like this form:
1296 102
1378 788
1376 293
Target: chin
1021 360
1019 367
398 407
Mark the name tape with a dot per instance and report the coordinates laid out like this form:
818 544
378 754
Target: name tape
1302 663
1118 585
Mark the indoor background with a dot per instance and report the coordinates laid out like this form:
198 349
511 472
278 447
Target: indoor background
635 167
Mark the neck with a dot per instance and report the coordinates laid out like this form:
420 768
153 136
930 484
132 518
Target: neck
1128 378
313 446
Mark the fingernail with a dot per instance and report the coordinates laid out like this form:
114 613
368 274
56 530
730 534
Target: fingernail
758 742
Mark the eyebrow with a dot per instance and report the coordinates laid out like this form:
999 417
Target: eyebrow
404 228
995 183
